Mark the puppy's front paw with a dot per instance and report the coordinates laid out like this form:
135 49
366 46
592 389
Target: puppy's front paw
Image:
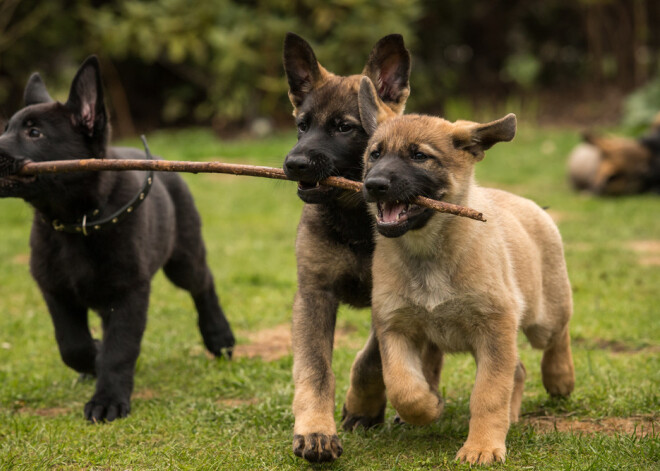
351 422
481 453
106 409
317 447
418 409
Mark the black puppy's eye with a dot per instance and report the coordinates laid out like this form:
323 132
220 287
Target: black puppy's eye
302 126
374 155
419 156
34 132
344 127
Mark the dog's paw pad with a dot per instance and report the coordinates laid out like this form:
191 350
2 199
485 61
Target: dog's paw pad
317 447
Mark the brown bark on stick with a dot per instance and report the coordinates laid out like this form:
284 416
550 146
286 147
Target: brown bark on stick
94 165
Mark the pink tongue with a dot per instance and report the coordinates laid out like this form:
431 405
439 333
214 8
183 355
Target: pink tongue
391 211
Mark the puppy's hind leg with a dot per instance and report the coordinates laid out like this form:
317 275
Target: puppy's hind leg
77 347
557 365
518 387
196 278
365 400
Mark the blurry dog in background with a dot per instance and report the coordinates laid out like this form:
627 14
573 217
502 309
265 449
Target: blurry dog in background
613 166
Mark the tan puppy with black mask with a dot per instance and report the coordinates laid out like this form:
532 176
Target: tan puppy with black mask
449 284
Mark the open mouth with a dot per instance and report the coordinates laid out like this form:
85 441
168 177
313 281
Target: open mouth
314 193
397 213
312 187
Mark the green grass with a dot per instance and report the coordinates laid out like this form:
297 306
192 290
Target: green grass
192 412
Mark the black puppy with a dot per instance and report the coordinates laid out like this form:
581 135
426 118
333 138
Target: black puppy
98 238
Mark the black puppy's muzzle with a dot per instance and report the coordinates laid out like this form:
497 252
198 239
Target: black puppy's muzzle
10 165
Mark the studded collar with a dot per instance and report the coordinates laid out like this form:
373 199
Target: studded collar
87 225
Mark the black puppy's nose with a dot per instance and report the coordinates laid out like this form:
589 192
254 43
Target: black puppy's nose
377 186
296 163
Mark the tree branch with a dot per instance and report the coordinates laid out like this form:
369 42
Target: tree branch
93 165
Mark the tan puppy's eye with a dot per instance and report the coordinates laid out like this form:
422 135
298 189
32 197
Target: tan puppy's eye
374 155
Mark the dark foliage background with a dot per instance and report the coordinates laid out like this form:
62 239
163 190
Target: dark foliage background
218 62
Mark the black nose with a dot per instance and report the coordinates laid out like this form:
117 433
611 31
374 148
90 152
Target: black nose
296 164
377 186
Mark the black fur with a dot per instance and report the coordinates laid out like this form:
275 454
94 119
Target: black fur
109 272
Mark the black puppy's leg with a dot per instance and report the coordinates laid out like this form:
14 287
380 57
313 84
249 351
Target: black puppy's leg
124 322
196 278
77 347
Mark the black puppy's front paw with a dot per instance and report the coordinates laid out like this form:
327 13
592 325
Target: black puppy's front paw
106 409
220 343
317 447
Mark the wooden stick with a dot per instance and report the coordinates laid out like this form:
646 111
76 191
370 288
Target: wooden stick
94 165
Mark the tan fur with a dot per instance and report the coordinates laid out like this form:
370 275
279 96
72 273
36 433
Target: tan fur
459 285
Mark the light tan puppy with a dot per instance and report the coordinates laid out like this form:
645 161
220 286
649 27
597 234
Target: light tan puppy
449 284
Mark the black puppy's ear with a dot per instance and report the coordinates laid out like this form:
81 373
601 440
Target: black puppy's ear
303 72
388 67
368 105
35 91
476 138
86 98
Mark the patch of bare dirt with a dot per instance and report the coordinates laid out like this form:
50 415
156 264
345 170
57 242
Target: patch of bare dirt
21 259
233 403
146 394
647 250
615 346
640 426
274 343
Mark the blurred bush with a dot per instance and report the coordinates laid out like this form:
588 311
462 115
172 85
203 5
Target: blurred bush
173 62
642 106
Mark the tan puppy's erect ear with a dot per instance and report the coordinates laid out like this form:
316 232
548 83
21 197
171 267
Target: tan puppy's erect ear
476 138
303 71
388 67
372 109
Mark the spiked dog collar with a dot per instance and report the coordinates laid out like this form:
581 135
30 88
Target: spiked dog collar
87 225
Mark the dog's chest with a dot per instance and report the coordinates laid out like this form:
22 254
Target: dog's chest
92 271
424 301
